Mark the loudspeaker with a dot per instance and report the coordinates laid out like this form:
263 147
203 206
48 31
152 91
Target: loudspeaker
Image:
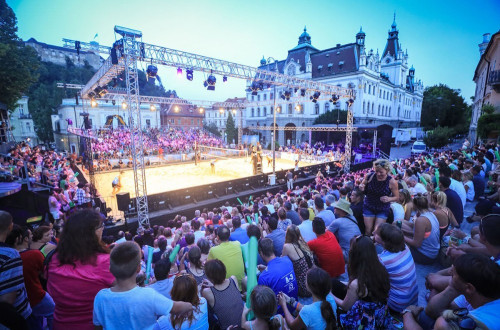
123 201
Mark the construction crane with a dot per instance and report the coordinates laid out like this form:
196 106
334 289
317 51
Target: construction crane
130 49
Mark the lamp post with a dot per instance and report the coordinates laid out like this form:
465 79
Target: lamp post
273 143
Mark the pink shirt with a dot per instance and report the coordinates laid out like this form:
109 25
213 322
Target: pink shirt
74 289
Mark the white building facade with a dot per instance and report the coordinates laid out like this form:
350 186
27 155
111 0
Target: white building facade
387 91
21 123
69 111
217 115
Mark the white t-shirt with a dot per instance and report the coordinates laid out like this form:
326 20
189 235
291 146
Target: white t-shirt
134 309
197 235
311 314
418 189
458 187
398 211
306 230
199 322
470 192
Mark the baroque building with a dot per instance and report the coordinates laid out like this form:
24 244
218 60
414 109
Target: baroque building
387 90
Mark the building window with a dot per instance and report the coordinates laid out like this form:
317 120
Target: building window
258 97
258 112
290 110
253 97
271 96
316 109
369 89
148 123
264 111
265 97
327 107
373 108
365 88
28 127
364 107
253 112
192 121
178 121
271 112
198 121
378 111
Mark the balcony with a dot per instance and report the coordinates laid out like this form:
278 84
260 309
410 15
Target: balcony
25 116
494 80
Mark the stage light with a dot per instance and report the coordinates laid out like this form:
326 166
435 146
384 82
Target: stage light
93 103
297 107
210 82
152 107
176 108
189 74
113 102
278 109
314 98
350 102
151 71
124 105
334 98
221 111
179 72
234 111
224 79
295 90
201 110
282 96
286 95
303 92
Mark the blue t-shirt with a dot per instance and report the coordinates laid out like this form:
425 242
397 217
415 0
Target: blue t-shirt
280 277
239 235
278 238
134 309
199 322
163 287
454 203
488 314
311 314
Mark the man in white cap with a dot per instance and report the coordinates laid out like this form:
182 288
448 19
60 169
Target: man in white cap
345 226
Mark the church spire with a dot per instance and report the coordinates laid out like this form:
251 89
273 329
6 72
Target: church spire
305 38
392 47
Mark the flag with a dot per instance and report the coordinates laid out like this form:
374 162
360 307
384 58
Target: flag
95 36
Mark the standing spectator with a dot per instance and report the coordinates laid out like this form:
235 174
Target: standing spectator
327 249
345 226
397 259
380 189
41 302
326 215
453 201
81 196
228 253
357 198
126 305
279 274
365 296
276 234
289 180
12 288
298 251
223 295
78 270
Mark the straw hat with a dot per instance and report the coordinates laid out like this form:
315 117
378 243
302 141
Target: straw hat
343 205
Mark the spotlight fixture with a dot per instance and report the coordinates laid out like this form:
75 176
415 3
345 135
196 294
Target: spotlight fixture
100 91
334 98
176 108
92 95
315 97
179 72
224 79
93 103
210 82
256 86
151 72
189 74
278 109
349 102
113 102
152 107
302 92
297 107
295 90
286 95
234 111
221 110
124 105
201 110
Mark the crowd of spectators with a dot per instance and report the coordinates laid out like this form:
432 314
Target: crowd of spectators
340 252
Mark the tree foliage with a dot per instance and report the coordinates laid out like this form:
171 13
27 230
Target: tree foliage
18 64
443 106
439 137
488 123
335 116
231 130
212 128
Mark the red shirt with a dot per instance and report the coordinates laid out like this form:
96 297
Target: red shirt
32 268
329 253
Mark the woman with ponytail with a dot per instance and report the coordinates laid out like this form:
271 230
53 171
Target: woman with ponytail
264 308
321 313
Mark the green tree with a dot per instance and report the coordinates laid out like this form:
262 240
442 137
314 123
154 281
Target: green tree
489 122
18 64
231 130
438 138
212 128
441 106
332 117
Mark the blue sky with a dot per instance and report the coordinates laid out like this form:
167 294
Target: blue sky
442 37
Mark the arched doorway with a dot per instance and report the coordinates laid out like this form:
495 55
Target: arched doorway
290 136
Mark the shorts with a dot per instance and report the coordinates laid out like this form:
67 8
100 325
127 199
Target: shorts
114 185
55 215
369 213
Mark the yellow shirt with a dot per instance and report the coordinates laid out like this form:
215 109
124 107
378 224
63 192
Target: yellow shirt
230 255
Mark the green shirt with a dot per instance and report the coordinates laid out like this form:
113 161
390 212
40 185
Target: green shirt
230 255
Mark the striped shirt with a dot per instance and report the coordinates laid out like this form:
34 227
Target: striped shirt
12 279
403 279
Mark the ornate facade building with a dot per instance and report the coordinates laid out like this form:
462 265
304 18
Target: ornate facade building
387 90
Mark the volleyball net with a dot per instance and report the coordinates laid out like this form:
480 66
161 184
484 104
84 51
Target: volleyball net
207 152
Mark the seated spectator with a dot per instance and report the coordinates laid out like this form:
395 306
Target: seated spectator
222 295
345 226
163 284
423 236
228 253
42 237
185 289
301 256
41 302
357 198
277 235
326 215
443 214
291 214
415 186
12 287
327 249
195 266
397 260
264 308
321 314
478 182
126 305
78 270
467 178
238 234
283 221
279 274
365 296
162 246
453 201
306 226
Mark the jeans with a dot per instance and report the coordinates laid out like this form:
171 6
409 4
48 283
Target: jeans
44 309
